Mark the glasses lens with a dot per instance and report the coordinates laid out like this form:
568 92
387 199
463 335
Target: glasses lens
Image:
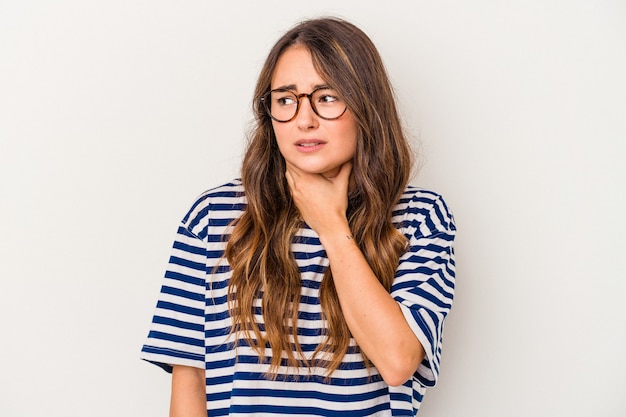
282 105
327 103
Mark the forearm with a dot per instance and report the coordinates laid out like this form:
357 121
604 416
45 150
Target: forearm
188 392
373 316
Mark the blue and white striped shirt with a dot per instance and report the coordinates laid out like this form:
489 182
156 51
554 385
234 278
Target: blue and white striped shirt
191 324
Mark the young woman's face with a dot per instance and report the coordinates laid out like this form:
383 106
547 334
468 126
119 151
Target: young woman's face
309 143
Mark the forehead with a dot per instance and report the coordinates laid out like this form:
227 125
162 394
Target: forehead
295 68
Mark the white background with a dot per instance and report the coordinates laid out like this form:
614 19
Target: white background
115 115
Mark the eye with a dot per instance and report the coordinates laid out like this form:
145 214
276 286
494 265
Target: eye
283 98
326 96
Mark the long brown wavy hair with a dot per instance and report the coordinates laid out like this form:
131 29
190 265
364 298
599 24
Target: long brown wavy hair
258 249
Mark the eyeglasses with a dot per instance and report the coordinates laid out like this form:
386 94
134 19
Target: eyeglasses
283 105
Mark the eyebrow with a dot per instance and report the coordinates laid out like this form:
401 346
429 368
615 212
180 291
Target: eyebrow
292 87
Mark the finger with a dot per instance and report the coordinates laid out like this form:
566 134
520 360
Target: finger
344 172
346 169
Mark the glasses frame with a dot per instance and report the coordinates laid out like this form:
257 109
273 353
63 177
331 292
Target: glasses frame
267 105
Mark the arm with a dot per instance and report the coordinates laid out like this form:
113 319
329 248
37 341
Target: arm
373 316
188 392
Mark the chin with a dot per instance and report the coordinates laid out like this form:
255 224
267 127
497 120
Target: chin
330 173
317 169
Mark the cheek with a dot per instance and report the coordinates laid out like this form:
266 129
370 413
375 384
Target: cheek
279 134
351 133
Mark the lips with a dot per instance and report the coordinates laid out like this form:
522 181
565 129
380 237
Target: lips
309 142
309 145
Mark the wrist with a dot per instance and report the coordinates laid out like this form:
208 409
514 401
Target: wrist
335 237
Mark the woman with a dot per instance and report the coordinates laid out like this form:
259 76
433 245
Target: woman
318 284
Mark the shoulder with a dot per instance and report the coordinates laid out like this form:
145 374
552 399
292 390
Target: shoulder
425 211
216 206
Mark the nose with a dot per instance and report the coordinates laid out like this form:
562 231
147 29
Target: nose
306 118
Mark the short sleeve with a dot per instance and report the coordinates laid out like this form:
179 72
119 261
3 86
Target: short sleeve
425 278
176 335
